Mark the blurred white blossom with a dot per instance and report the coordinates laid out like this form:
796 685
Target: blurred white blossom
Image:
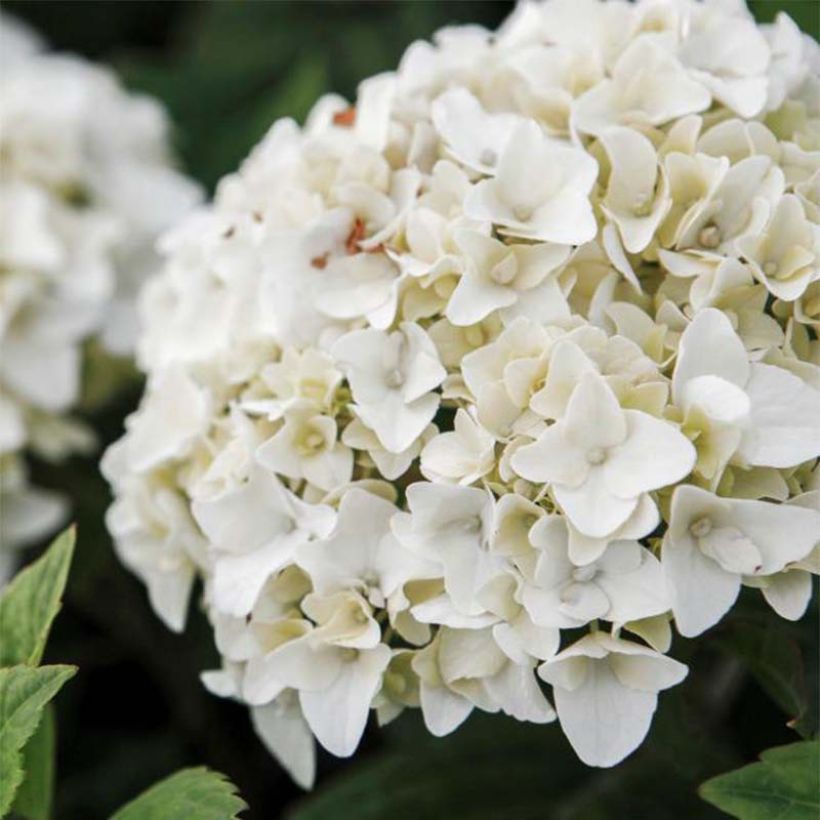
86 186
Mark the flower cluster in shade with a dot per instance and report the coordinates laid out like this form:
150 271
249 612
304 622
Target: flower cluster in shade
86 186
469 394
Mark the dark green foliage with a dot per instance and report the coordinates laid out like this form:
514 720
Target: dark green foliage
785 784
31 601
24 693
190 793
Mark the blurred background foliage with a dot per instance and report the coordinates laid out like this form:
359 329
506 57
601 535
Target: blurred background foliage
136 710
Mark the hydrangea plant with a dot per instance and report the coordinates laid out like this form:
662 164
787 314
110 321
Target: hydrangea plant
86 186
469 394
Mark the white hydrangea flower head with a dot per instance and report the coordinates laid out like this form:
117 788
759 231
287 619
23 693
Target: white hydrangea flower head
86 186
523 341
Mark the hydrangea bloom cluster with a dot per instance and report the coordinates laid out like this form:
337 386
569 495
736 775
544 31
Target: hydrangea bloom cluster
491 379
86 185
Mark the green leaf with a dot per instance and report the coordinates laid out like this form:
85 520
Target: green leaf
24 692
30 602
34 798
191 793
785 784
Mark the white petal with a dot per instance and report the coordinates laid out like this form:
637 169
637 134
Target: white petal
287 737
443 710
785 419
350 552
568 363
467 570
592 508
354 286
566 219
718 398
338 715
637 594
475 298
299 664
175 412
362 352
789 593
565 672
654 455
702 592
545 304
552 458
424 371
602 719
397 424
584 602
647 672
463 455
246 516
238 579
526 640
594 418
468 653
169 593
219 682
516 691
475 137
634 165
584 550
375 101
710 346
783 533
330 470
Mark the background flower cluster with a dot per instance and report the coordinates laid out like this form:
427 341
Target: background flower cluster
86 187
